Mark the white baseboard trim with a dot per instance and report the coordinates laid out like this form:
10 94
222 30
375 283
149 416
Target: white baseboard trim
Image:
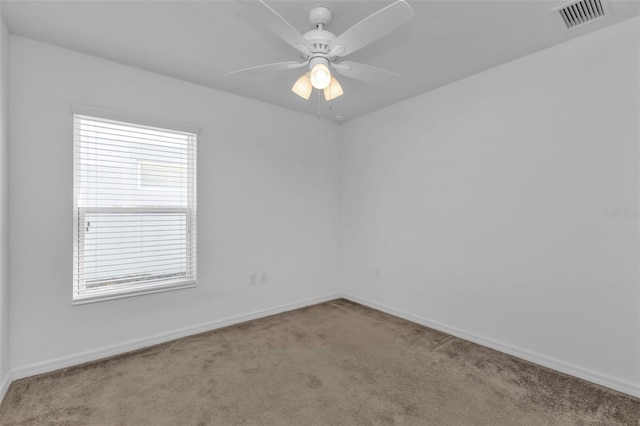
4 386
131 345
601 379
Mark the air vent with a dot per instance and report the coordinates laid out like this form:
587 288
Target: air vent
581 12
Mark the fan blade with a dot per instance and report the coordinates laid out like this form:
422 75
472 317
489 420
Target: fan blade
279 66
373 27
282 28
369 74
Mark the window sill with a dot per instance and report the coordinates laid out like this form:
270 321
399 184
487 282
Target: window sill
140 292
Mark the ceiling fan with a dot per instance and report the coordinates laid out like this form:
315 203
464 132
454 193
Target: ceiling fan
322 50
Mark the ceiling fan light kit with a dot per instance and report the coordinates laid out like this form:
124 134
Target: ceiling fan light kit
320 74
302 87
333 90
322 50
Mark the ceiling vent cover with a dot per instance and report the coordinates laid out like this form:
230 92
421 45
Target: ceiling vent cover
580 12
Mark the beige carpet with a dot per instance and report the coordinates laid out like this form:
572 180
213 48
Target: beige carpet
336 363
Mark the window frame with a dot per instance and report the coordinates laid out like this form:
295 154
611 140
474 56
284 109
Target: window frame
190 212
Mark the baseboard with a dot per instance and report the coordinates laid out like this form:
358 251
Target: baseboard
4 386
120 348
601 379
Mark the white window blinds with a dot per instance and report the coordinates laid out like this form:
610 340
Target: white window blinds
134 209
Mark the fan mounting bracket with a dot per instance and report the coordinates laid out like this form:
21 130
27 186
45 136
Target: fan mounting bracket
320 17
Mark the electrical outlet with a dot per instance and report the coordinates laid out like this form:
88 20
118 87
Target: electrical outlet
263 278
253 278
376 273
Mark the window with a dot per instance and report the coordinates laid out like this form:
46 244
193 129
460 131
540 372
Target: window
134 209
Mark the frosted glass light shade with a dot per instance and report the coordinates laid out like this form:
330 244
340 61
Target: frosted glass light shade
333 90
302 87
320 76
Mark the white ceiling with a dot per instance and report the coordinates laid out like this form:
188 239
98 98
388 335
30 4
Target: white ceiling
199 41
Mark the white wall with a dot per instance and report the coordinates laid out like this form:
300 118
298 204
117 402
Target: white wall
5 366
483 204
268 200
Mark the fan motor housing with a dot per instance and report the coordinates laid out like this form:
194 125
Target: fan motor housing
319 40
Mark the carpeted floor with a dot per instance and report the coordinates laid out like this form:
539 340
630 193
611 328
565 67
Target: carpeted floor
337 363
